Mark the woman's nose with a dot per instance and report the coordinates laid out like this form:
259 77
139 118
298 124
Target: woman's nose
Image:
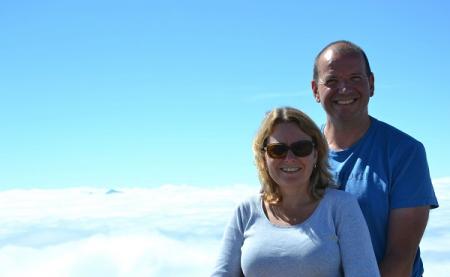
290 155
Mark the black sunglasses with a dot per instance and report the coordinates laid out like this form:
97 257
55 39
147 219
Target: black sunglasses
301 148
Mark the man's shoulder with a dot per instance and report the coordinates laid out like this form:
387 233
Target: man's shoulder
392 134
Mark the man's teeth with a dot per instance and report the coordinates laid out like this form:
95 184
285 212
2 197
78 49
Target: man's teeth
345 102
290 169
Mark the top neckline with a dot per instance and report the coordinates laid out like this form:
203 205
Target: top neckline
299 225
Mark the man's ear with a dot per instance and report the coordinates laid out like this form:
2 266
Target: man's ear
315 91
372 84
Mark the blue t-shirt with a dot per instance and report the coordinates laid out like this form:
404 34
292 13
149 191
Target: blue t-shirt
386 169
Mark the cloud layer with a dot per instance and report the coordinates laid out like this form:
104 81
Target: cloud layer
164 231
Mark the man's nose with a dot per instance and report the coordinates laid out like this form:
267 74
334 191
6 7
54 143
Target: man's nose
343 86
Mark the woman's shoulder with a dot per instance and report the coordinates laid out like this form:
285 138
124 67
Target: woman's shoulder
338 196
250 203
251 200
342 204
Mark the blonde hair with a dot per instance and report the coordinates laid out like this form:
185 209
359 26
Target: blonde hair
320 178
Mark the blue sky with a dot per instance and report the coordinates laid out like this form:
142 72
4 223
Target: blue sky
144 93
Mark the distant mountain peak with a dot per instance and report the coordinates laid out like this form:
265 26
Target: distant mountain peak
111 191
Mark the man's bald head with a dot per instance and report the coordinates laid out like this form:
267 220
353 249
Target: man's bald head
341 47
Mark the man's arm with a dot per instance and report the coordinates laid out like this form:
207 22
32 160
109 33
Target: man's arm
406 227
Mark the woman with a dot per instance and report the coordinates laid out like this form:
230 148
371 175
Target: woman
299 225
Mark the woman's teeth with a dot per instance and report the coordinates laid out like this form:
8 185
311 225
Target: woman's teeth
290 169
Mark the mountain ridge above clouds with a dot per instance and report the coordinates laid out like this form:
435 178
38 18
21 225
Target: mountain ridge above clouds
87 232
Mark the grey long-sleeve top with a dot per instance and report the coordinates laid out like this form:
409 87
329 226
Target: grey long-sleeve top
333 241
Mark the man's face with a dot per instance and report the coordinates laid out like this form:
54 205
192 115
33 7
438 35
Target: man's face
343 87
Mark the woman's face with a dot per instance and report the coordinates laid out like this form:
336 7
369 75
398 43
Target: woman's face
290 171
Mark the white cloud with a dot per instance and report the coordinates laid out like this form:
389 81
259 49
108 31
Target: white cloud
441 181
161 231
164 231
435 245
131 254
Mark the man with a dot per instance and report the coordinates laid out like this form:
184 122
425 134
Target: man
383 167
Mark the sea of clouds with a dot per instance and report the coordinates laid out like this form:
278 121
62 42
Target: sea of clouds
164 231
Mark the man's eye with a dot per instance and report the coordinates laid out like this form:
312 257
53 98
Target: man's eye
356 79
330 82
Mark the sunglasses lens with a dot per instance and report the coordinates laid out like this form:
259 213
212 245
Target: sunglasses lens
277 151
302 148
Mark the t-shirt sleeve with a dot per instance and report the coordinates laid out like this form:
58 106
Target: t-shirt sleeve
411 181
229 259
358 258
